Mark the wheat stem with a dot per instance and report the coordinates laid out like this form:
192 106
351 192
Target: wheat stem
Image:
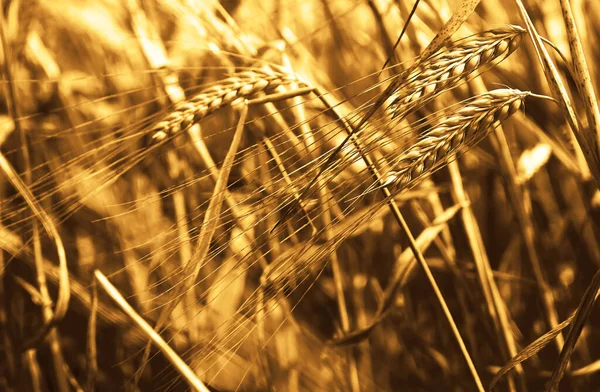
582 76
413 245
171 355
559 92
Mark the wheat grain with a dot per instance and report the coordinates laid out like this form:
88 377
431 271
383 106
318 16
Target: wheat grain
229 91
463 127
443 69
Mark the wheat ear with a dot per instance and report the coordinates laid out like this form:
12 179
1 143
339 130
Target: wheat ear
461 128
228 91
443 69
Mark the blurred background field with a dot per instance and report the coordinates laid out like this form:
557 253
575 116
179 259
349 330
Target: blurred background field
204 225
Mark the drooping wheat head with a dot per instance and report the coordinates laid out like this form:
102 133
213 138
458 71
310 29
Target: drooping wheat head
229 91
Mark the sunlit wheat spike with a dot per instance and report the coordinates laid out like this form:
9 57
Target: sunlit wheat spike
443 69
226 92
461 128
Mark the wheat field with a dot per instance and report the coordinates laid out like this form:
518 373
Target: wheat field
299 195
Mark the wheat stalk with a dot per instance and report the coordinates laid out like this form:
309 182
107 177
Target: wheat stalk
463 127
443 69
230 91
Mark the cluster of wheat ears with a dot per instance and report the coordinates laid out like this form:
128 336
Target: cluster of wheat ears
299 195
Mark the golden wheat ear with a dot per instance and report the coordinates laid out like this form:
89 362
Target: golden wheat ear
227 92
461 128
461 60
